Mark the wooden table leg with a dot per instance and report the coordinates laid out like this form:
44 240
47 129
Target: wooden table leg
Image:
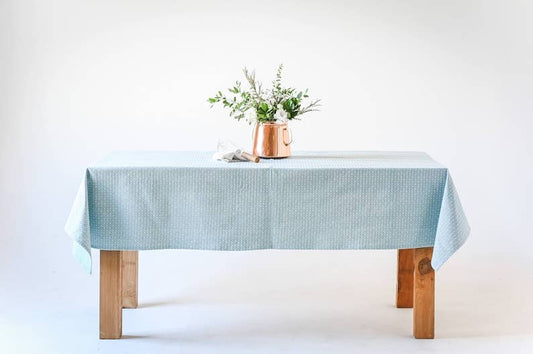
424 295
130 263
110 294
404 284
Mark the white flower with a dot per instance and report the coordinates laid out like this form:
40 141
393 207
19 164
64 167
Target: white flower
250 115
281 115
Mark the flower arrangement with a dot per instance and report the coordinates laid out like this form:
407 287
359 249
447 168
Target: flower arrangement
276 105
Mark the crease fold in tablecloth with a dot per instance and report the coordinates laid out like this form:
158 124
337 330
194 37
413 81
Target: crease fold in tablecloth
78 226
452 221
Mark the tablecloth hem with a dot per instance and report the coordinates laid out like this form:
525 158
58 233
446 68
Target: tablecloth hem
83 256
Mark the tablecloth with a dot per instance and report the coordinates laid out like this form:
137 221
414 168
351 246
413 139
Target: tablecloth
312 200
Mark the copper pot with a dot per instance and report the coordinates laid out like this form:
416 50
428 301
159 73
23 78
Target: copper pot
272 140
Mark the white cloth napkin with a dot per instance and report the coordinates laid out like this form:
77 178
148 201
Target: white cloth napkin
227 151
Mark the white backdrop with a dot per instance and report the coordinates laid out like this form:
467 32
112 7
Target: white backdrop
81 78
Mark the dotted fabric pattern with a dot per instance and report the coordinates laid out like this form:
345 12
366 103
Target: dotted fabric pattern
312 200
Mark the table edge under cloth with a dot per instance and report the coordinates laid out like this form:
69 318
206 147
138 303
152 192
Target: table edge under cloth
451 221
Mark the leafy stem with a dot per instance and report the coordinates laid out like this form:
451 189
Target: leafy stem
257 105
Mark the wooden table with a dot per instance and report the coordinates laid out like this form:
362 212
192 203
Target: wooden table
119 289
134 200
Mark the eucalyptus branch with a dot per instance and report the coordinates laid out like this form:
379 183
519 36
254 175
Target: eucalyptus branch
256 87
276 84
311 107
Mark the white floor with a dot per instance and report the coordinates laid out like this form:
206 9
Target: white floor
267 302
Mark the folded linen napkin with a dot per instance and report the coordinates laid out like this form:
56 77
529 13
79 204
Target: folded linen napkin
227 151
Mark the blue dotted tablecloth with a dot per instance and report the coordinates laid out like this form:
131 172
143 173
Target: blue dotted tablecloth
312 200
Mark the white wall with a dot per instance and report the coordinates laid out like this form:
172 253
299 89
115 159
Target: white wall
81 78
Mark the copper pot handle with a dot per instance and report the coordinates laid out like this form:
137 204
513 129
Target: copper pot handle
289 132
